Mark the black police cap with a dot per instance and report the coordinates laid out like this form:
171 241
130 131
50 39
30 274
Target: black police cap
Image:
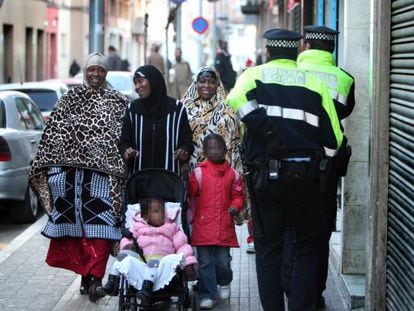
282 38
314 32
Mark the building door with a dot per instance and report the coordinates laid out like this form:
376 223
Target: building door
400 241
8 53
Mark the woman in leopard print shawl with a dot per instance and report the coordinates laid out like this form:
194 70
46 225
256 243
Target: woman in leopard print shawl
78 175
208 113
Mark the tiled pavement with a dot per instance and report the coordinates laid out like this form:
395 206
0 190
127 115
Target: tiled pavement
27 283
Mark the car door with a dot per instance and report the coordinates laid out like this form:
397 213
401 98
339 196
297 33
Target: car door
30 127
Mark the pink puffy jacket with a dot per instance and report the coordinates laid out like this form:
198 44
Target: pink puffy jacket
164 240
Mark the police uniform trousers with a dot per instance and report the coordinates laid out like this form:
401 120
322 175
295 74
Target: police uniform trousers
294 200
331 203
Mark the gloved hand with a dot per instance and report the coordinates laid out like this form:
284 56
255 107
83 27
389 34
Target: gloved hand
190 273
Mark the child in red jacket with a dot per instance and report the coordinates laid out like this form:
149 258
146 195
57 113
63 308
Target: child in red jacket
219 189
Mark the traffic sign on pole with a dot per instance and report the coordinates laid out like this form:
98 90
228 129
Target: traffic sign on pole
177 1
200 25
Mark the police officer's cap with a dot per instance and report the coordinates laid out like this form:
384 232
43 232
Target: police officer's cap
314 32
282 38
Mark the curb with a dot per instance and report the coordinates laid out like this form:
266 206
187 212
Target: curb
21 239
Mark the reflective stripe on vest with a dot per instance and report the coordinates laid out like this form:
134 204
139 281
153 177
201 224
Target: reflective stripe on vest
247 108
291 113
340 98
329 152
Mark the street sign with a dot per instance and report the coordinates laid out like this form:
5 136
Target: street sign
200 25
177 1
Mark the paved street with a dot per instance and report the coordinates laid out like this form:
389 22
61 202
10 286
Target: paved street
27 283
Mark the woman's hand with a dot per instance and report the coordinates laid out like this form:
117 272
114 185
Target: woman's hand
181 155
130 153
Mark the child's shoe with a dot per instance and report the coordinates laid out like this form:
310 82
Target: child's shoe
224 292
111 288
207 304
145 293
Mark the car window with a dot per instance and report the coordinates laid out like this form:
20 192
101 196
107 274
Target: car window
119 82
44 99
35 114
2 115
26 120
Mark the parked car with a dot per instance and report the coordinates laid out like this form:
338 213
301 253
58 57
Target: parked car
121 81
21 127
44 93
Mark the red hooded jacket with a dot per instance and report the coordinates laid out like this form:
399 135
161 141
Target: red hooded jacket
221 186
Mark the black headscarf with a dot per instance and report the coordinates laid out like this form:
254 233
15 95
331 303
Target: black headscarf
157 100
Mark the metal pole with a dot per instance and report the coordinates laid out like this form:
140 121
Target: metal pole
96 26
145 38
214 45
200 45
178 28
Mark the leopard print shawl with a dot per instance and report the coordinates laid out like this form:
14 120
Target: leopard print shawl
83 131
212 116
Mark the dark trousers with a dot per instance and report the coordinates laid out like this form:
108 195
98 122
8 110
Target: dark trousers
292 199
331 207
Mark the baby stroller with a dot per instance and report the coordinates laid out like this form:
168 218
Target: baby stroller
167 185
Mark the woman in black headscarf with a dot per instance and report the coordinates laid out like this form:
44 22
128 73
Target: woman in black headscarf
155 132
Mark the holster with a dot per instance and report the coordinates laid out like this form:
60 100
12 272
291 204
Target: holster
325 166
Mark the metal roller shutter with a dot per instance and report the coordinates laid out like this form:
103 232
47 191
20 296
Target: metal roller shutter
400 247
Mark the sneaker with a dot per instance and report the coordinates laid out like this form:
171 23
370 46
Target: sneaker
224 292
207 304
250 248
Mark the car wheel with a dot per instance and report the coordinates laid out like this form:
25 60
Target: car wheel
26 211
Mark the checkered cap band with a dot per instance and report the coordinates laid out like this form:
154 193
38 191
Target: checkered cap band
287 44
319 36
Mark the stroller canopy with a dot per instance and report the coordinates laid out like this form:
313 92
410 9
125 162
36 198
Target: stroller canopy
154 183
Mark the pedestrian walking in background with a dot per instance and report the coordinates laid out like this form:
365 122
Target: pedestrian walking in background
219 189
224 66
259 57
74 68
114 60
156 59
292 131
182 75
78 175
208 113
319 60
155 131
125 65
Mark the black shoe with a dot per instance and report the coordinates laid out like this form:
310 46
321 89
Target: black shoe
111 288
145 293
320 303
84 286
94 284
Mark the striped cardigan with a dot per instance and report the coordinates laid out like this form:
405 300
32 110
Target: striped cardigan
156 139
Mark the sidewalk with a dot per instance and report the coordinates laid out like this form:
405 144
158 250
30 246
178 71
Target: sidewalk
27 283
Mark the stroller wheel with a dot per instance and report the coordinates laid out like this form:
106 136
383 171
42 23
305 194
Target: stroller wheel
195 300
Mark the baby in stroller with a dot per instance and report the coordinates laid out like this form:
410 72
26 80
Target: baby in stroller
150 253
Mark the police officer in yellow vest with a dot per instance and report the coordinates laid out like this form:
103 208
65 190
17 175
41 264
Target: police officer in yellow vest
318 59
292 130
